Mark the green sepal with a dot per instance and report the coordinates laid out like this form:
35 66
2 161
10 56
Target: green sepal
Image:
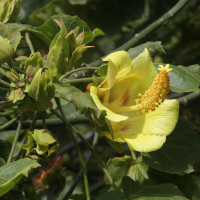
43 137
80 38
72 42
40 149
102 70
30 144
41 144
41 88
15 95
13 76
6 50
77 54
33 64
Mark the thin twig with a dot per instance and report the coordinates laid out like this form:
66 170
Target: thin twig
76 70
74 184
78 150
5 83
29 42
15 139
152 27
9 123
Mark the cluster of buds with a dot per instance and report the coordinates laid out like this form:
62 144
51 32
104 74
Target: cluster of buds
41 144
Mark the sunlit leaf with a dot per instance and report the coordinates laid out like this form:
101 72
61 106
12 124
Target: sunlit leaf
84 103
71 22
181 152
11 173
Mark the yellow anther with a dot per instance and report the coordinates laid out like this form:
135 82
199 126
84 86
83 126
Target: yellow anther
157 92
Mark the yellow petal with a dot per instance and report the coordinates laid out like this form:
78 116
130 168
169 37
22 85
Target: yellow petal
118 66
145 143
118 137
162 121
110 115
144 70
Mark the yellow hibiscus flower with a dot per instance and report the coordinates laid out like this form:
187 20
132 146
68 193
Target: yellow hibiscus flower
134 97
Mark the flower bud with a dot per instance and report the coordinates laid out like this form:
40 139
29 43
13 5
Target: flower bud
13 76
6 50
9 10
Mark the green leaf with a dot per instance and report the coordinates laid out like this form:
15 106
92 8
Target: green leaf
12 34
71 22
84 103
126 166
181 152
153 48
9 10
14 194
38 39
184 183
11 173
5 148
112 195
145 175
183 79
160 192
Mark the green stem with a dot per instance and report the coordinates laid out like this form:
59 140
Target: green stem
98 159
16 68
4 89
188 99
159 22
69 192
4 83
29 42
43 120
6 67
76 70
78 150
15 139
9 123
137 37
133 155
9 112
80 80
75 119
